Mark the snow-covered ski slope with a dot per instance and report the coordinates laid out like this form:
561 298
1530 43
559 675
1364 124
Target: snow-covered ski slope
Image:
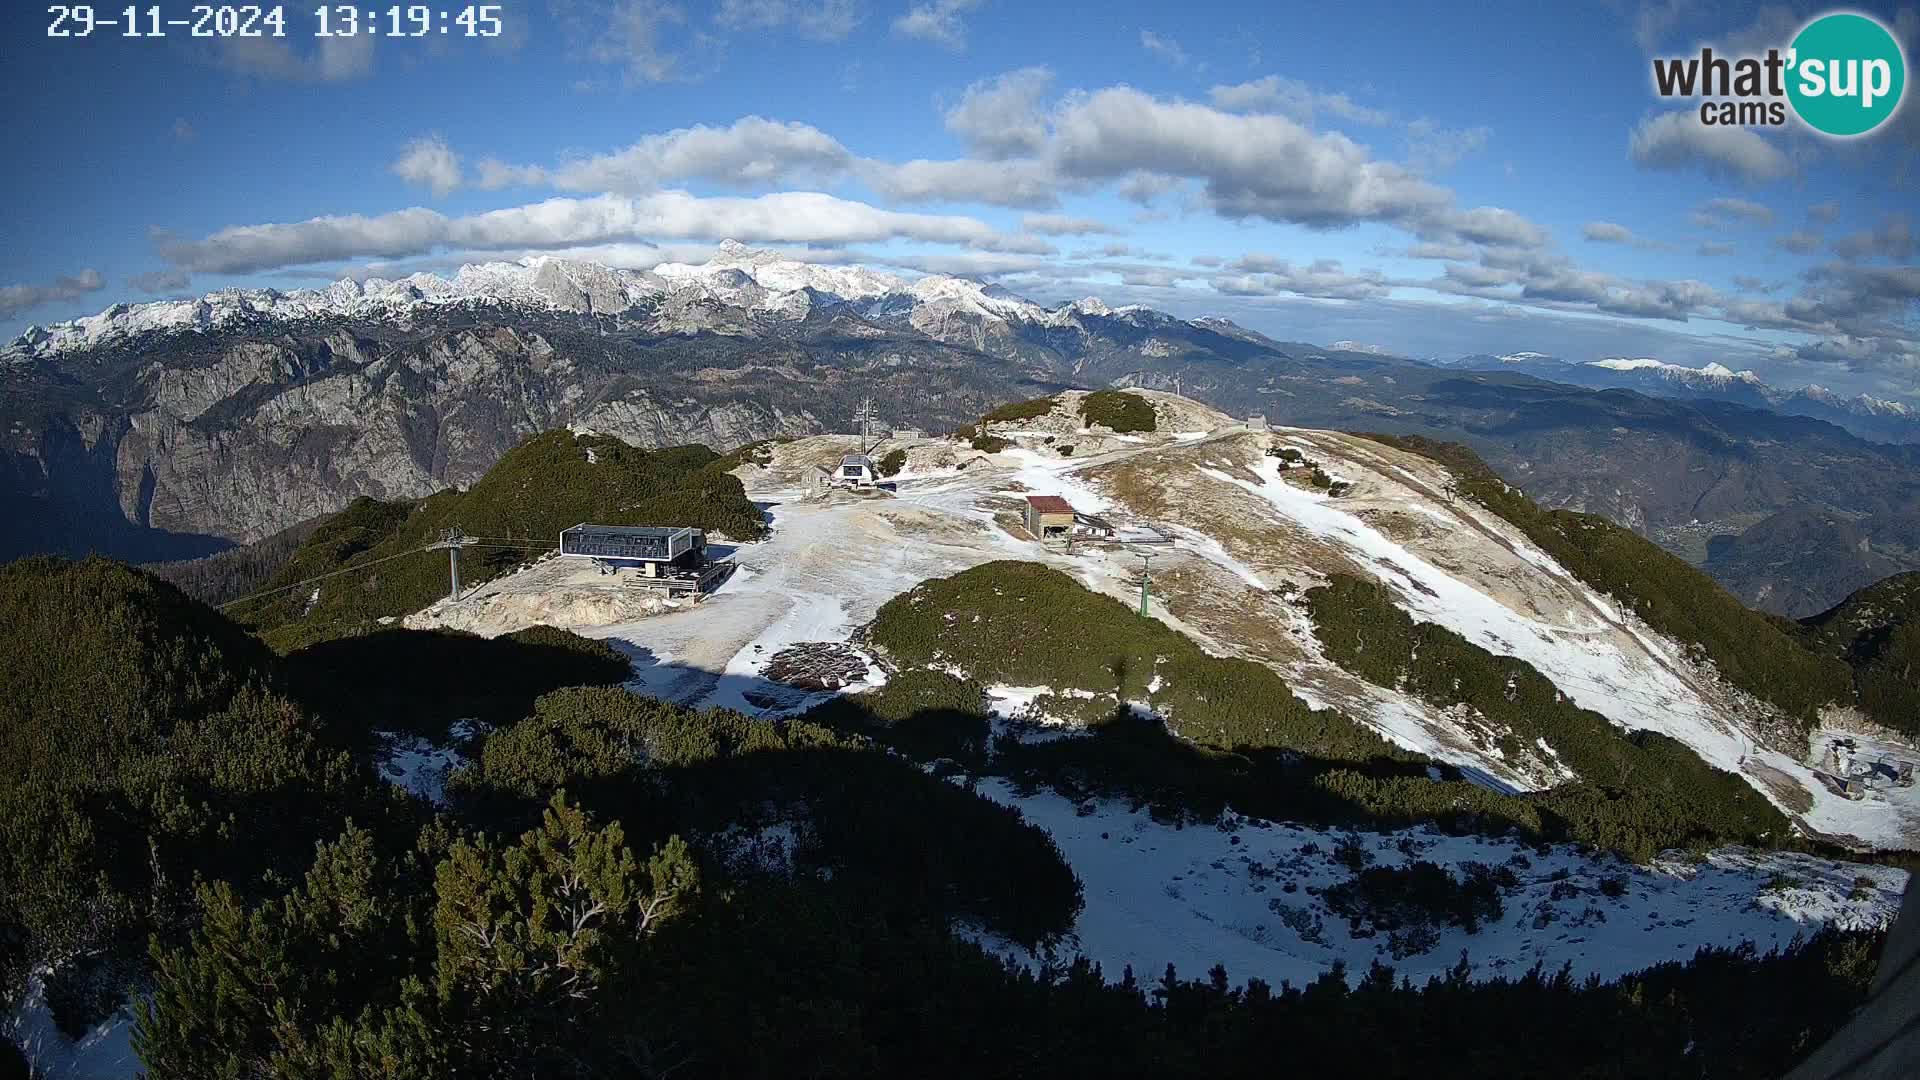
1248 538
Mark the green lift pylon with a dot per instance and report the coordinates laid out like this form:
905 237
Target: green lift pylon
1146 575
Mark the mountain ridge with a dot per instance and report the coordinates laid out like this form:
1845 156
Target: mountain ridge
666 297
1867 416
173 429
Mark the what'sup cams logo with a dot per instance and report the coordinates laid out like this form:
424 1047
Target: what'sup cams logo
1843 75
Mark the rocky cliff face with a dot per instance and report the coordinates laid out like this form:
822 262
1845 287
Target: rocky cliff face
240 438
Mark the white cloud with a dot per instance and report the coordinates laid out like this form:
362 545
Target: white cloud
1894 238
1678 140
494 174
1432 149
1146 188
1607 232
794 217
1154 277
1020 183
1164 47
819 20
1727 211
1799 241
161 281
1002 117
1250 166
1491 225
1654 20
17 298
1453 252
1264 275
751 151
430 163
1291 97
334 59
1062 225
938 21
973 264
632 34
1479 277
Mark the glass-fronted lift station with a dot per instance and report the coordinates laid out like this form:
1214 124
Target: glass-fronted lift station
636 544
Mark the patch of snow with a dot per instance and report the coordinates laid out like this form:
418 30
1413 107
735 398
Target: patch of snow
103 1053
1219 894
421 767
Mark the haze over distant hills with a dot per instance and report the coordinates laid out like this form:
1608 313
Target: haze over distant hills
164 429
1863 414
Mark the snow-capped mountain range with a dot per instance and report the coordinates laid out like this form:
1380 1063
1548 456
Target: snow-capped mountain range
723 295
1711 373
1865 415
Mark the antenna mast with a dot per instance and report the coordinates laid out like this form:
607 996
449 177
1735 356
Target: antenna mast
865 417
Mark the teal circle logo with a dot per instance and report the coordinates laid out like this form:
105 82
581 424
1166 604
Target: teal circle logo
1847 74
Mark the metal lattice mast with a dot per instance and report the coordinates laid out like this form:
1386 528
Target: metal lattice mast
866 423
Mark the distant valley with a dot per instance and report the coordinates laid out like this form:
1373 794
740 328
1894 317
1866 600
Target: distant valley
1796 561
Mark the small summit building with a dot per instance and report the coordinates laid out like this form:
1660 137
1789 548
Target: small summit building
857 471
1049 517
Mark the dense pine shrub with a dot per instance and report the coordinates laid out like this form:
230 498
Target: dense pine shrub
459 956
1876 632
1021 410
236 572
922 713
612 930
144 741
423 680
1024 624
919 842
1118 410
1411 903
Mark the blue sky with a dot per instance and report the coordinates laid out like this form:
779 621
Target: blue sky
1407 177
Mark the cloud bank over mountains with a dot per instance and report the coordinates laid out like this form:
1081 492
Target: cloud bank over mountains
1053 189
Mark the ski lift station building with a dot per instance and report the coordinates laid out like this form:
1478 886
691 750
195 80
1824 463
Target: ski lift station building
856 470
671 559
648 548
